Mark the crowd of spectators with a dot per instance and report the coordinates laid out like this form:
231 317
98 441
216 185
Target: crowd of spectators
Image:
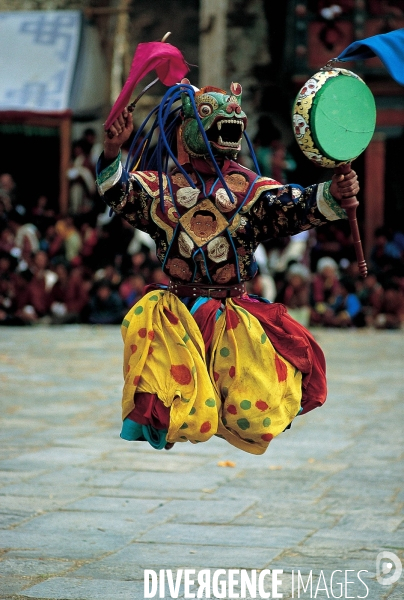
91 267
84 267
317 278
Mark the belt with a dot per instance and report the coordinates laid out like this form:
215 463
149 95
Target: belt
194 290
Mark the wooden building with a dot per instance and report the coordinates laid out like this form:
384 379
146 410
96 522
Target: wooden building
51 76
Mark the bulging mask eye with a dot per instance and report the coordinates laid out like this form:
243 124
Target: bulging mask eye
205 110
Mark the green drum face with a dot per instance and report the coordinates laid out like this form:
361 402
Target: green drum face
334 117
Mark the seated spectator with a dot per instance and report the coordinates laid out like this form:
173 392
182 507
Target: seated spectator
52 243
346 310
324 289
8 191
385 254
7 240
69 296
67 231
140 264
398 240
139 242
42 216
370 294
106 306
263 286
296 293
89 239
82 182
334 241
132 289
159 277
3 215
38 293
26 234
294 251
91 147
392 309
10 290
78 292
109 273
58 293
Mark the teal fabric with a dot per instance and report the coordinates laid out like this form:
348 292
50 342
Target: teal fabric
198 303
133 431
201 300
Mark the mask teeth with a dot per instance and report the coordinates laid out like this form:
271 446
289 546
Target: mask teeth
231 121
229 144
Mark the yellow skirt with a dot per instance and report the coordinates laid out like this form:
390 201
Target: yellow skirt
244 391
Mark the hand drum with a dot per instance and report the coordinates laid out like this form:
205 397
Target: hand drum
334 118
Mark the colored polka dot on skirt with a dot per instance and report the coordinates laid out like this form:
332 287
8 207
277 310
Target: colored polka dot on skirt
138 310
243 424
205 427
281 369
181 374
245 404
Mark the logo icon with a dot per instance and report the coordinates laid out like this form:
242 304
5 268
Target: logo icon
388 568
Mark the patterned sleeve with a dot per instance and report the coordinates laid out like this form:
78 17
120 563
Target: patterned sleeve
122 192
291 209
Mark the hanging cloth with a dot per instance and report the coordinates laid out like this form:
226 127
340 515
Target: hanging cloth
389 47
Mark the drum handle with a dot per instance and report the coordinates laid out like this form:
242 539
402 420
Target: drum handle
350 205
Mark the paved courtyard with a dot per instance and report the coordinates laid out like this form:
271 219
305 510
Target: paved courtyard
83 513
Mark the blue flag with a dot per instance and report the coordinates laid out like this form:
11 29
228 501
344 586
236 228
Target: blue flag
389 47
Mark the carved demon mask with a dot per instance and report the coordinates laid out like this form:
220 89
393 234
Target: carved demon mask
222 118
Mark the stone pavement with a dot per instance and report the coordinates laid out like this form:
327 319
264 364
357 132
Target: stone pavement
83 513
